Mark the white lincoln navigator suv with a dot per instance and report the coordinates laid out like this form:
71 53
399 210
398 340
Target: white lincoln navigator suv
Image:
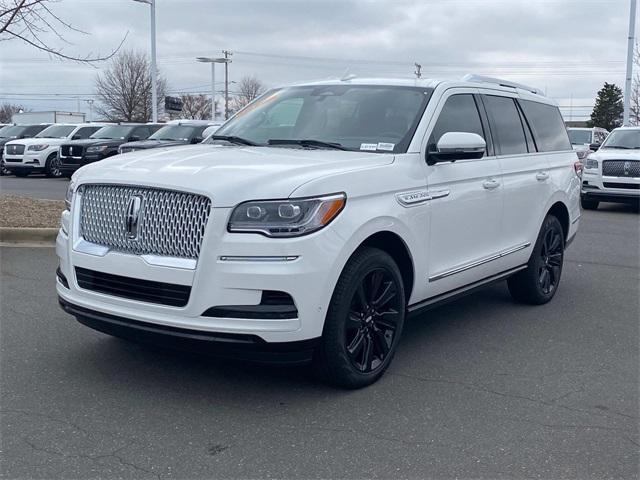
318 217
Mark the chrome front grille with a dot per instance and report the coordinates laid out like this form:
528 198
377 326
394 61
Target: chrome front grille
15 149
621 168
167 223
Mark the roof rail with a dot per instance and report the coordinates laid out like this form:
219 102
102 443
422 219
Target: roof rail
503 83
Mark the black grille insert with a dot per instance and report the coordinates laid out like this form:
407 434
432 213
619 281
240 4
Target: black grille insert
273 305
621 168
133 288
630 186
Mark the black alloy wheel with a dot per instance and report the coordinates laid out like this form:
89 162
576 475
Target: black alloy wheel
364 321
551 256
538 283
373 320
53 169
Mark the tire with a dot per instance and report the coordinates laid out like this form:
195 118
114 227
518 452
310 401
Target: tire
3 170
52 167
589 204
21 174
538 283
364 321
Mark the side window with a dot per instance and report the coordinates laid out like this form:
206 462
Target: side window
506 126
85 132
142 132
548 127
459 114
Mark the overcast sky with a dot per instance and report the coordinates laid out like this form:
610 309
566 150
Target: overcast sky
568 47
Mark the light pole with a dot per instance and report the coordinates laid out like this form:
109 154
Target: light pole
154 80
213 62
628 82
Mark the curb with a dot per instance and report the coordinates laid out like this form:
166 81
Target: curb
10 235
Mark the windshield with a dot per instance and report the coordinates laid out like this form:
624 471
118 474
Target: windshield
355 117
174 132
579 137
623 139
4 129
14 130
56 131
113 132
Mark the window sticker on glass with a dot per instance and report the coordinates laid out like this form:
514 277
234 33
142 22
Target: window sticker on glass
386 146
372 147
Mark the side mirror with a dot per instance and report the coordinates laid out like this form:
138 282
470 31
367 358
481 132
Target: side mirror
594 146
454 146
195 140
76 137
133 138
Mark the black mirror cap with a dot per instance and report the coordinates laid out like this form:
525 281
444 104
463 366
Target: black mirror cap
442 157
195 140
594 146
76 137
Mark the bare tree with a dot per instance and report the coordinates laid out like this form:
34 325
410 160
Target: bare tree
124 88
196 107
249 88
35 23
7 110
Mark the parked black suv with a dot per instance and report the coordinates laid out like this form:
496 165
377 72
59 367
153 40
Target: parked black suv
179 133
14 132
102 144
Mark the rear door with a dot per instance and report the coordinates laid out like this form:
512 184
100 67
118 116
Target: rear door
466 205
519 127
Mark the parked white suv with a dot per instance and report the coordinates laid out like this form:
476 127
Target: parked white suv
586 140
321 215
40 153
612 174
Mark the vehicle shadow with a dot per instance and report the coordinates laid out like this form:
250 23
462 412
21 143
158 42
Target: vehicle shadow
151 371
619 208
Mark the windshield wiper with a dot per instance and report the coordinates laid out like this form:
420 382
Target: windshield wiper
233 139
307 143
619 147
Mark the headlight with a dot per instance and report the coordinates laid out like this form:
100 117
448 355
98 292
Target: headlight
591 163
97 148
286 218
70 191
38 148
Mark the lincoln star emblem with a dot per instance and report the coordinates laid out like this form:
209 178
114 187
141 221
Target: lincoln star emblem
132 218
627 167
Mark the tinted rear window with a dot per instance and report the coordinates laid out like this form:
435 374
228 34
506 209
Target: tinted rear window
548 127
506 125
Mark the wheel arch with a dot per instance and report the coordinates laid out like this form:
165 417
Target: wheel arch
561 212
395 246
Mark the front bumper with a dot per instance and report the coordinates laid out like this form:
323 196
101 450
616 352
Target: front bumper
234 346
598 187
230 272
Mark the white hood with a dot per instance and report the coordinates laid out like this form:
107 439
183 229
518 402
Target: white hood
38 141
229 175
615 154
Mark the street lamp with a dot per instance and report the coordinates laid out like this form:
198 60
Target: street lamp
154 81
213 62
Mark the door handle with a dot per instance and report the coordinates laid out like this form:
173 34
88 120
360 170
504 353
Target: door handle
491 184
542 176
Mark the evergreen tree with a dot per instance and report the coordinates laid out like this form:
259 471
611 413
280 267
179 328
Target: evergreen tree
607 112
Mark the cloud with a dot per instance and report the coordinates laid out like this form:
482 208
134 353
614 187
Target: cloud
568 47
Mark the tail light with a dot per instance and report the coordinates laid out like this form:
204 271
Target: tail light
578 167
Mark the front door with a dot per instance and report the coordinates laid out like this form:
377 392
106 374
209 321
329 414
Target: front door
467 201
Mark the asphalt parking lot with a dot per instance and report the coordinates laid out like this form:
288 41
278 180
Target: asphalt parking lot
35 186
483 388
